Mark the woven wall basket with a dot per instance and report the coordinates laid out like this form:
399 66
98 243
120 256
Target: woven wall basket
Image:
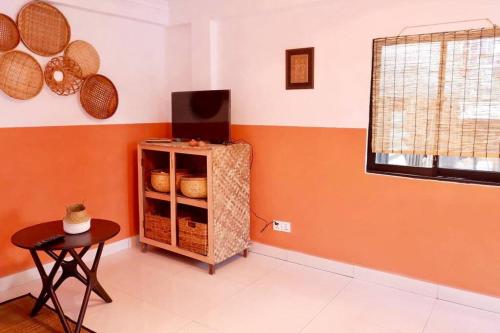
85 55
21 76
43 28
9 35
99 96
70 80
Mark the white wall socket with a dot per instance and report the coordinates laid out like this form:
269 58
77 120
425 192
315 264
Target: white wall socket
282 226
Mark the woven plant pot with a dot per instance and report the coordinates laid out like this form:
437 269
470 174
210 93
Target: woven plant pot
160 180
194 187
76 220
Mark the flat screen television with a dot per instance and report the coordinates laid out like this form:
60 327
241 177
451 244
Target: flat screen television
202 115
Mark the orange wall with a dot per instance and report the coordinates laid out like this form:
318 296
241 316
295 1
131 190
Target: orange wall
45 168
314 177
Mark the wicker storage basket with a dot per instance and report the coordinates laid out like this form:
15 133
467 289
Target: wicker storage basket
160 180
158 228
179 173
193 236
194 187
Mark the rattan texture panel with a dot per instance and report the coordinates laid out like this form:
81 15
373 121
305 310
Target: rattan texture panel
231 201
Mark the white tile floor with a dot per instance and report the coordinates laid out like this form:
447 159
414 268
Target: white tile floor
158 292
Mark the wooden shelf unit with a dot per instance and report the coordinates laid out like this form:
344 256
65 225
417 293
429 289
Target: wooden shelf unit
228 195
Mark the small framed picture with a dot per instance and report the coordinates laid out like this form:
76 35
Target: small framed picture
300 68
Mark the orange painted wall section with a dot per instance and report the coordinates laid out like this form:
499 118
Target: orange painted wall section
44 169
314 177
442 232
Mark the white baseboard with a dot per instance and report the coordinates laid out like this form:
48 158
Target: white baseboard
424 288
468 298
396 281
20 278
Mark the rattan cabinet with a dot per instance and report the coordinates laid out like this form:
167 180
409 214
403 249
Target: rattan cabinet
211 229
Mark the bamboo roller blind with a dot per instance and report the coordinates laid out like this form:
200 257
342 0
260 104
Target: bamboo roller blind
437 94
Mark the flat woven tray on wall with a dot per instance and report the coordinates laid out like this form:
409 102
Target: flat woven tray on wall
9 35
99 96
71 81
21 76
43 28
85 55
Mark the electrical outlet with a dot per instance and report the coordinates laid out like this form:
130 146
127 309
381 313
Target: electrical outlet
282 226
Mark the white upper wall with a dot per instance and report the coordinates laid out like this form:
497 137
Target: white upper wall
133 49
152 47
248 39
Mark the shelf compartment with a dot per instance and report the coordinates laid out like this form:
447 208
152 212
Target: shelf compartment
148 193
157 221
153 160
196 164
200 203
192 229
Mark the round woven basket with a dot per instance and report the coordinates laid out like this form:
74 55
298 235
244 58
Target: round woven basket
194 187
43 28
21 76
70 72
160 180
179 173
76 213
9 35
99 96
85 55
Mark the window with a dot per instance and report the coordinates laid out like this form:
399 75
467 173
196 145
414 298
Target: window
435 106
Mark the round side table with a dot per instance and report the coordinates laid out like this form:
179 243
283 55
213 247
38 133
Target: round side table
100 231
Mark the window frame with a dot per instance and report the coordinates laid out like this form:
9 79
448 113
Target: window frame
433 173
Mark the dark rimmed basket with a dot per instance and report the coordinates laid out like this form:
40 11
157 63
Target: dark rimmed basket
193 236
99 97
158 228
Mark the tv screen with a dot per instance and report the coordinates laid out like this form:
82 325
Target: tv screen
202 115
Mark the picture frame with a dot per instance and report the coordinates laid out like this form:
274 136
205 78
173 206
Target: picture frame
300 68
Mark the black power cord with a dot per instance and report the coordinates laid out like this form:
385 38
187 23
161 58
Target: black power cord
266 222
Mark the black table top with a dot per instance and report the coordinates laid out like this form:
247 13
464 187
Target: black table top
100 231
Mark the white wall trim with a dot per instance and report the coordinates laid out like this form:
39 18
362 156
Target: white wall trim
424 288
20 278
